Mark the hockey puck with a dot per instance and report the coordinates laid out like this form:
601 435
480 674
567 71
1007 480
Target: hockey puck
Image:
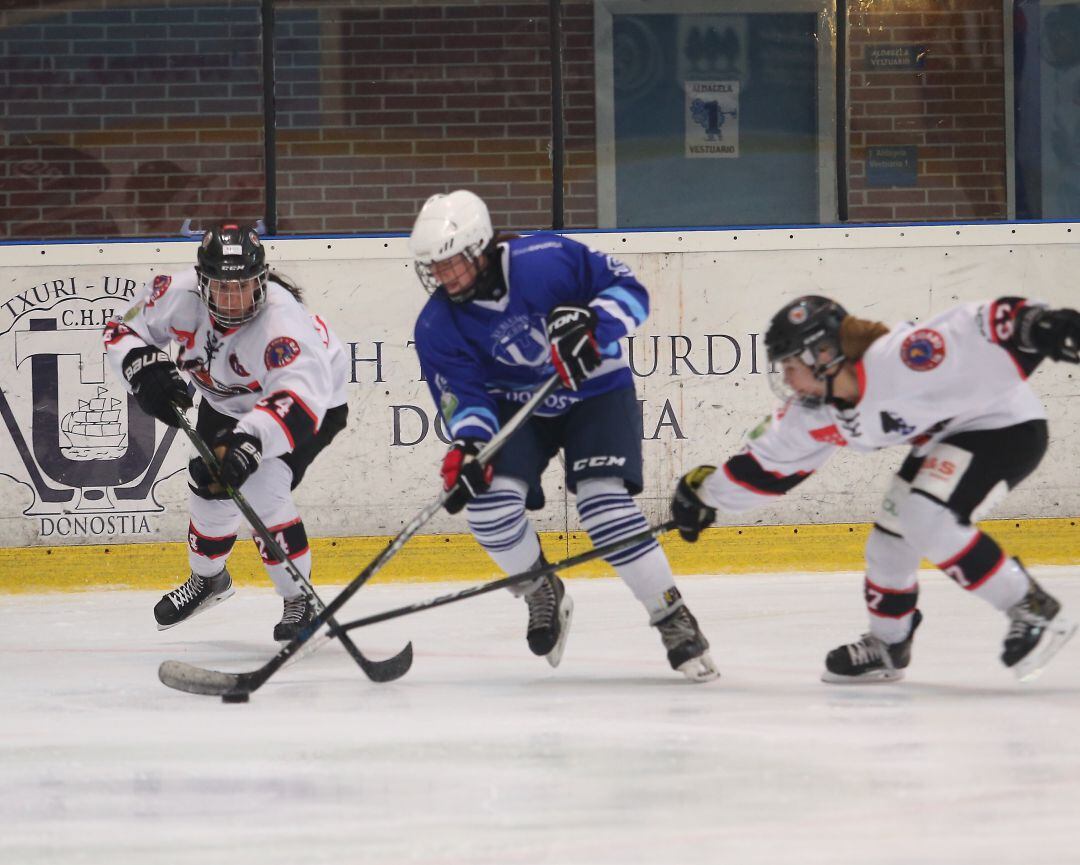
235 697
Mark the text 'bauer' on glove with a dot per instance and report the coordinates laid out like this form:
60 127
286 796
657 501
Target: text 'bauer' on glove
156 383
239 454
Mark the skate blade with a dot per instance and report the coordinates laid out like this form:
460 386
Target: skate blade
700 669
202 608
1057 634
566 613
876 677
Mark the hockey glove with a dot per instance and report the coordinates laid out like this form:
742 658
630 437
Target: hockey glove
239 454
1056 333
463 477
690 513
573 345
156 383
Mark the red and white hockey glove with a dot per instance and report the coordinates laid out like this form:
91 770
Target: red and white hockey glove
464 478
574 350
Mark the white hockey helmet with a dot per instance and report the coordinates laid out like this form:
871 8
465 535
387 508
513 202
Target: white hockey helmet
449 225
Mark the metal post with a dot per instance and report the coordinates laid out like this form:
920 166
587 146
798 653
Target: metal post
269 117
558 142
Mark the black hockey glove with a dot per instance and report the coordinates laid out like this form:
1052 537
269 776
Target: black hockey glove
239 455
1055 333
573 345
463 477
690 513
156 383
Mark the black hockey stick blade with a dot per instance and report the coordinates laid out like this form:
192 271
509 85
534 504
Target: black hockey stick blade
524 577
196 680
389 669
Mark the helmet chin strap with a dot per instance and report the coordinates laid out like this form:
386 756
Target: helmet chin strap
830 397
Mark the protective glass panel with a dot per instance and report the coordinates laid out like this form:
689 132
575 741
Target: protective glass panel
381 105
127 121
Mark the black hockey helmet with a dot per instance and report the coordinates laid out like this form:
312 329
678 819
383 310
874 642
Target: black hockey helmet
807 328
232 253
803 328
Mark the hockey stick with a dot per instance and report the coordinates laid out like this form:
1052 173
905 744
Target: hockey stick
198 680
377 671
523 577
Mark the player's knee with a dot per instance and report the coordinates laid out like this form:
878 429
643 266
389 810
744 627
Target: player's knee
932 528
589 488
888 555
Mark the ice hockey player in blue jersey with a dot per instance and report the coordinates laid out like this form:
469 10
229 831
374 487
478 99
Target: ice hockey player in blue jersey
504 315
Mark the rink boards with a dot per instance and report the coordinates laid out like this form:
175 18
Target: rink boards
85 501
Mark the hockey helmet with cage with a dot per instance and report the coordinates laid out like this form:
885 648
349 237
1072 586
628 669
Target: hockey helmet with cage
808 328
450 225
232 256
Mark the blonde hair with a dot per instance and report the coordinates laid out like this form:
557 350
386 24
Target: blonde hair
858 334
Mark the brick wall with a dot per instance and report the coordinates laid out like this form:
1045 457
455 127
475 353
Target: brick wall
395 102
381 107
952 111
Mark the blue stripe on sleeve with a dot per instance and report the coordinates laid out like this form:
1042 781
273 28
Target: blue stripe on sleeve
632 304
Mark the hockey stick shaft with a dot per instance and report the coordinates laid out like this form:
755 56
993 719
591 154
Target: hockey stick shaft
378 671
198 680
524 577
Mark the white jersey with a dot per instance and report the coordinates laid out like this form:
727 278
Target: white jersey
918 384
277 374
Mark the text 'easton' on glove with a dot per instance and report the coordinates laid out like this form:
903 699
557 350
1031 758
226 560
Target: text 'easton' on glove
155 381
690 513
574 350
464 478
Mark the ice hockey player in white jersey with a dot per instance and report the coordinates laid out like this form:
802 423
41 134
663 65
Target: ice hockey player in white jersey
272 379
955 390
503 316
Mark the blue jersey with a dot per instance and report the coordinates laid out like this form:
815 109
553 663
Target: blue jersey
476 353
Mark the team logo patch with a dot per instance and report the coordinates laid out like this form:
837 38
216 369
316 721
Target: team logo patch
923 350
160 286
281 352
797 314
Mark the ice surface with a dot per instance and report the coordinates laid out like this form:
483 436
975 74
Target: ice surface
483 754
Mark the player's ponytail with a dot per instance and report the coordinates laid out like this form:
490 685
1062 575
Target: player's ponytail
286 283
857 335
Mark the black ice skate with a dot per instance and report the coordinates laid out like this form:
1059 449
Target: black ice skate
297 613
687 648
1036 633
550 611
870 659
195 596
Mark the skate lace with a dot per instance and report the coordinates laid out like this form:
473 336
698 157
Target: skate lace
867 649
541 604
295 610
188 592
1026 617
678 629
